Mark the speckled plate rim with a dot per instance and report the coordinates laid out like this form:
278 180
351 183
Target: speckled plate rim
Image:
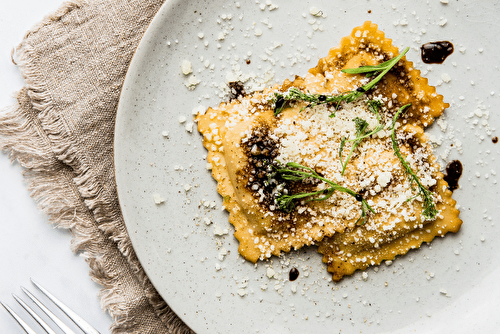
481 306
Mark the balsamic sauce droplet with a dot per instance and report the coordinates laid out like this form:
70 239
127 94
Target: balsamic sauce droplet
358 197
494 140
436 52
294 274
453 173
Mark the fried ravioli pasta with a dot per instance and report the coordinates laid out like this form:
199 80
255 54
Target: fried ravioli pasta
343 186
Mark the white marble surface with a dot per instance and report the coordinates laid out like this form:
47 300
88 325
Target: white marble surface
30 247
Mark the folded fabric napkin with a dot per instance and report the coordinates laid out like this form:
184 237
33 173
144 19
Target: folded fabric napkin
61 132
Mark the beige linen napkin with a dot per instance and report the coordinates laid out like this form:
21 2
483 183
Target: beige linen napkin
61 132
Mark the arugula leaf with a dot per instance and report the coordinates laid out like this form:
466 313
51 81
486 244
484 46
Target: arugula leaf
430 212
282 101
361 132
293 171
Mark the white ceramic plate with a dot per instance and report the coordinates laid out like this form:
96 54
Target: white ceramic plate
449 286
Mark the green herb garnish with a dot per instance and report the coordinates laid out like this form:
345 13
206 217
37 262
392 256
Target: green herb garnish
293 171
362 132
372 70
282 101
430 210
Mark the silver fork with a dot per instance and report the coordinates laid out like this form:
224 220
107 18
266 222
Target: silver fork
82 324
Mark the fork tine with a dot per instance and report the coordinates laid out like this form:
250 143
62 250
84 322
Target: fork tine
20 321
84 326
49 313
35 316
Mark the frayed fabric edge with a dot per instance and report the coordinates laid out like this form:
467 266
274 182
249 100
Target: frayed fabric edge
48 183
65 215
58 14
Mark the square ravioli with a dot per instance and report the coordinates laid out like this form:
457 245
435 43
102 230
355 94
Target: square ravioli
336 158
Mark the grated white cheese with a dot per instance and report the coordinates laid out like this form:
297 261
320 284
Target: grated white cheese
314 11
186 67
158 199
192 82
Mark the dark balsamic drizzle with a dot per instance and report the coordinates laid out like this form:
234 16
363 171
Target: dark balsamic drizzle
453 173
494 140
436 52
261 151
237 90
294 274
